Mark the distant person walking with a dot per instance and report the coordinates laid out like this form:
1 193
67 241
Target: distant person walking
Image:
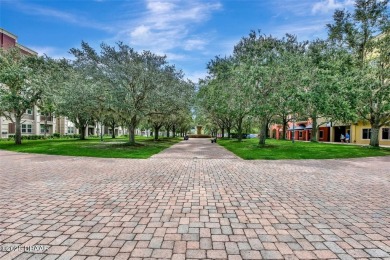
342 138
347 138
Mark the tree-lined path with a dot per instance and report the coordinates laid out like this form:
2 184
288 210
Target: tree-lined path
88 208
196 148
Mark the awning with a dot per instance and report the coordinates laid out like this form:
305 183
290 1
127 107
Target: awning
297 128
309 126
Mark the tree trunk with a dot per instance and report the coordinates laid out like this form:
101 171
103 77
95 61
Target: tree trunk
222 132
284 128
313 137
156 130
113 131
239 129
168 131
263 134
132 126
18 132
131 134
266 129
374 139
174 130
82 132
228 131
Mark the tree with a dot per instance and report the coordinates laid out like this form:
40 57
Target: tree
78 97
366 35
290 66
20 85
171 96
258 73
134 77
324 89
132 85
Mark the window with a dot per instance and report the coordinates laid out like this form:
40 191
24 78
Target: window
43 129
70 130
11 128
321 134
385 133
366 133
300 133
26 128
29 111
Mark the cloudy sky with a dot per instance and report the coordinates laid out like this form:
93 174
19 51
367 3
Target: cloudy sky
189 32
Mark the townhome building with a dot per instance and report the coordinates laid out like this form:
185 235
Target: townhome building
33 122
36 123
360 132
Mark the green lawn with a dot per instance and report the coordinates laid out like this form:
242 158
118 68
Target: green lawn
93 147
277 149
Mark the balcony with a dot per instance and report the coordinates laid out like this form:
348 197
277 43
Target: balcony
48 118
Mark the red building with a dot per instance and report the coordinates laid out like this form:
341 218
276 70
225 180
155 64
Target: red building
302 131
9 40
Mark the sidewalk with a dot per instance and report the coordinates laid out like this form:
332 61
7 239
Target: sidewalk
195 148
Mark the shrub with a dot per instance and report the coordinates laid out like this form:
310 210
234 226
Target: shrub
235 135
199 136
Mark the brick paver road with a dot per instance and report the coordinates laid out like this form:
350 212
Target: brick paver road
87 208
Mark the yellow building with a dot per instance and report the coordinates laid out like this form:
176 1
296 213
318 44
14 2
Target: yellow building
361 133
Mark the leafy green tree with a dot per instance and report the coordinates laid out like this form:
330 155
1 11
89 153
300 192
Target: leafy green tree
78 97
323 90
289 69
135 77
21 77
365 33
259 75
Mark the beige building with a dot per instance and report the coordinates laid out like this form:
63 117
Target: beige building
361 133
33 123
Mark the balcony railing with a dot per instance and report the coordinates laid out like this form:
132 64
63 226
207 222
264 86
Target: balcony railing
48 118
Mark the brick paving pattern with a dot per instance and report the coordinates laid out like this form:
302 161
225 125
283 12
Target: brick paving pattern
193 206
196 148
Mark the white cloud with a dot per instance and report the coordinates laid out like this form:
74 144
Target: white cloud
194 76
169 24
327 6
159 6
194 44
174 56
141 31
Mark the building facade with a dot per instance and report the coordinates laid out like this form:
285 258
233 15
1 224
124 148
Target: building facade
33 122
359 132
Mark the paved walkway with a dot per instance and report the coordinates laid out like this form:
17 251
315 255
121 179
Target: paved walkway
54 207
196 148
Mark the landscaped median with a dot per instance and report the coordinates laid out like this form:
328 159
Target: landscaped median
249 149
93 147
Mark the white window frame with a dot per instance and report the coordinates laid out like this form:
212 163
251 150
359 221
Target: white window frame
27 128
70 130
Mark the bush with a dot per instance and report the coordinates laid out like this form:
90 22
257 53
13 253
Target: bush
235 135
199 136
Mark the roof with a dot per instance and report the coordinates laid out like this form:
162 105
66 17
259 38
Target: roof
26 49
8 33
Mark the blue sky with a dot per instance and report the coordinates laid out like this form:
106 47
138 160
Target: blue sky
189 32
